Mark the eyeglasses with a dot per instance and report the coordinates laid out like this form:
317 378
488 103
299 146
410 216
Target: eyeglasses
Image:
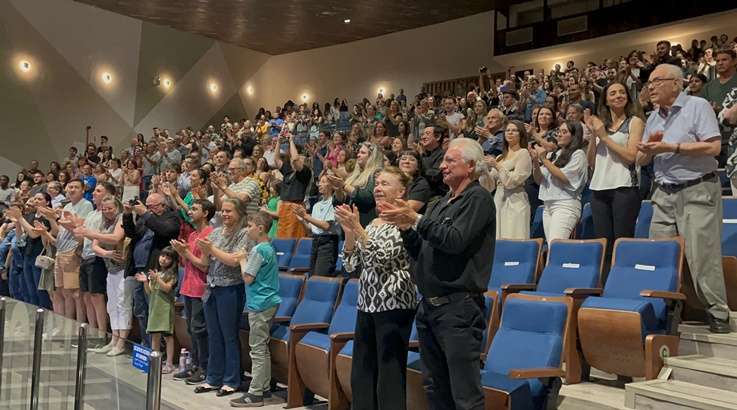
658 80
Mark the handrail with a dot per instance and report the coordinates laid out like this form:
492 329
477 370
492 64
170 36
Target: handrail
2 336
153 388
81 367
37 347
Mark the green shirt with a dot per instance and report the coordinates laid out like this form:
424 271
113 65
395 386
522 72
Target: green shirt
272 206
715 92
263 292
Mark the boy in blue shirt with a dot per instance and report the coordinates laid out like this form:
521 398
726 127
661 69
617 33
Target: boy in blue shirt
261 273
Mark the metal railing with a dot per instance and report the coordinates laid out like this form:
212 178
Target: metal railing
35 401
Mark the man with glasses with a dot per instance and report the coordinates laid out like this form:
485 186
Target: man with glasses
682 138
244 187
154 227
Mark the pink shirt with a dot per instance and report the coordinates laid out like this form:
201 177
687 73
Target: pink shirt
193 284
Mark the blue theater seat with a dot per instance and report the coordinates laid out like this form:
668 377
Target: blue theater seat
524 366
316 348
284 249
585 227
300 261
635 319
642 226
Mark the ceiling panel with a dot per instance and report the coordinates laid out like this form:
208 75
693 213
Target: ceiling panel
284 26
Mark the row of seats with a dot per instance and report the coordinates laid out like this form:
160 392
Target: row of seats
532 324
293 255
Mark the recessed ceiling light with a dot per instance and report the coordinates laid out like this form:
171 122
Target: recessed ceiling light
25 65
107 77
346 21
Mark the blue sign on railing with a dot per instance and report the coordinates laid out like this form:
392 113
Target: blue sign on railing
141 357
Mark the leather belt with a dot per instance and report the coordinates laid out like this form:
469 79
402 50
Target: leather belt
673 188
438 301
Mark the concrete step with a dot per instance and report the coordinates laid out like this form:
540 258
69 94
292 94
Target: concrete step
696 339
672 394
704 370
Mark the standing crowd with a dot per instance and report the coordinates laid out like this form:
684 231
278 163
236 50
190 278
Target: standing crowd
417 190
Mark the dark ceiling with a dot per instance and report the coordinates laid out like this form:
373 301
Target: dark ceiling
284 26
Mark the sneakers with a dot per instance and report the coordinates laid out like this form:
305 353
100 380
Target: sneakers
183 375
116 351
103 349
197 377
248 400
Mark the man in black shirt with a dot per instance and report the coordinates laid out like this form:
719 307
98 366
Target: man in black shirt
293 188
453 246
431 141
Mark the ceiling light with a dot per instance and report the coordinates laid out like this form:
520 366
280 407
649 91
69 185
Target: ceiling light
25 66
107 77
166 83
304 97
213 87
347 21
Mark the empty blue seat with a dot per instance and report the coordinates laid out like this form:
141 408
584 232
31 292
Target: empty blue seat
572 264
642 226
585 227
523 365
640 293
290 287
301 259
536 229
314 351
284 249
729 227
515 261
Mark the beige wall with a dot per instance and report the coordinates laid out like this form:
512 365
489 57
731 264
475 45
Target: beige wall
358 69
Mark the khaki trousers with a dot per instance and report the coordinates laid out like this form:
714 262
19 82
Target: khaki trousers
695 213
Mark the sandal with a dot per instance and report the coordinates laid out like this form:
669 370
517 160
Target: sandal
225 392
205 389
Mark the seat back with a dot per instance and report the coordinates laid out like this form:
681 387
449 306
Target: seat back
515 261
318 301
284 249
645 264
642 226
585 227
729 227
572 264
536 229
339 262
344 319
290 287
531 335
301 258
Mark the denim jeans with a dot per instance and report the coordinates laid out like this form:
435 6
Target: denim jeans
32 276
223 309
15 276
140 311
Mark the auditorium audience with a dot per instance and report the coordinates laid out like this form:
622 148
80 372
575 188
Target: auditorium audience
506 135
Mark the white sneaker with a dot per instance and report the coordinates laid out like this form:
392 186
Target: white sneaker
116 351
103 349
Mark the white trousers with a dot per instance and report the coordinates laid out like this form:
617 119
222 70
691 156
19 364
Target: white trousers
120 300
560 218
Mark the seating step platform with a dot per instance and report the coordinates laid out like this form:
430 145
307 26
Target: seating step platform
696 339
704 371
673 394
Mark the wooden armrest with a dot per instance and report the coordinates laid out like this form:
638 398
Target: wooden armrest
539 373
663 294
306 327
517 287
282 319
342 337
178 304
582 292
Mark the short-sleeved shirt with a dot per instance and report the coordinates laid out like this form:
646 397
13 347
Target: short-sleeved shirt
220 274
66 241
263 292
576 170
194 281
323 210
251 187
690 119
93 220
295 183
714 91
419 190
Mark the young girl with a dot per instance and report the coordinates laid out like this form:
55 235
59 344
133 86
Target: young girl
160 285
272 207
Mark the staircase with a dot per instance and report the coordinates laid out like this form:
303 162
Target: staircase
702 376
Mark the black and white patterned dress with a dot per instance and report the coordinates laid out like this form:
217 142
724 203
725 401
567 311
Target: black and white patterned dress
385 282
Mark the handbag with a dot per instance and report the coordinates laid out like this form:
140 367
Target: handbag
43 261
46 282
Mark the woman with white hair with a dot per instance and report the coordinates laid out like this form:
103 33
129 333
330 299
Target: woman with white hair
358 188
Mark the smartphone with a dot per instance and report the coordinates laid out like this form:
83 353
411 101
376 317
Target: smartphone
657 136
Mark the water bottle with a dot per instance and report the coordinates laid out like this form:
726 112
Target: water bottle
188 362
182 360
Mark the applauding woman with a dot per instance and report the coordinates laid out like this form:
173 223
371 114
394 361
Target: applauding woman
386 301
562 176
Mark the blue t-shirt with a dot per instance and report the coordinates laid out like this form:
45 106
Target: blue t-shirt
263 292
89 185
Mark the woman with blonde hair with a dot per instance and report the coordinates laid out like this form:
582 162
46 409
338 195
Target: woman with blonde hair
358 188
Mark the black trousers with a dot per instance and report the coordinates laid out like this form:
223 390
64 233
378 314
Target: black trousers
615 213
379 370
324 255
450 347
197 328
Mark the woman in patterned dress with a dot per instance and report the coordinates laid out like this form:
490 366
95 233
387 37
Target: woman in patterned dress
386 301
